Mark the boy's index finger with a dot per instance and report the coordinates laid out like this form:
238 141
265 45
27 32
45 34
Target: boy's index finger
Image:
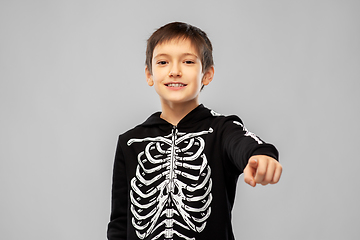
253 162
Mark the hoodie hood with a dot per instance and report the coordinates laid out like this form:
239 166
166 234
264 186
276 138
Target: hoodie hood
196 115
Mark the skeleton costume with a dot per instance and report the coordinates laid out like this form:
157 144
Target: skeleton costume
179 182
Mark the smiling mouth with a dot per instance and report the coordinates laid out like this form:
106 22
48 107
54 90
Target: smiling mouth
175 85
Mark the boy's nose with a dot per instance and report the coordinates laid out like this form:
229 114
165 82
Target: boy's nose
175 71
175 74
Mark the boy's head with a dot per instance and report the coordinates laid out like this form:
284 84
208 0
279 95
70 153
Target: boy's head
181 31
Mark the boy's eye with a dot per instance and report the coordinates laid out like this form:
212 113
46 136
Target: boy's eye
189 62
161 62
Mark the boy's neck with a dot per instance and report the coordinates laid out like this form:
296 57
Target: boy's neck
173 112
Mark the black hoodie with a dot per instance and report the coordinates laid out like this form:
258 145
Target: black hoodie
179 182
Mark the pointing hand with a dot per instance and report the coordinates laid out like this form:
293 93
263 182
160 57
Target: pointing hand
262 169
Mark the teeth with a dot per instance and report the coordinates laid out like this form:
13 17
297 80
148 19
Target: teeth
176 85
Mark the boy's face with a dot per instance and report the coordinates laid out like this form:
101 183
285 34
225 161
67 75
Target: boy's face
177 72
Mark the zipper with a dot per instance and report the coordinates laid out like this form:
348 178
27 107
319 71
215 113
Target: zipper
172 159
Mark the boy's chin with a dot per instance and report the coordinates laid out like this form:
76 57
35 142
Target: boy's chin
185 102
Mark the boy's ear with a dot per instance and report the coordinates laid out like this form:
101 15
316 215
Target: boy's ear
148 76
208 76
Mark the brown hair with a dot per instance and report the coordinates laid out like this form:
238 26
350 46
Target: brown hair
179 30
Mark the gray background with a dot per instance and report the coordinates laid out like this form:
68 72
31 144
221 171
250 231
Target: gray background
72 79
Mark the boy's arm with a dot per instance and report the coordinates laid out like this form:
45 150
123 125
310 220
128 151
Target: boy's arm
262 169
117 226
251 155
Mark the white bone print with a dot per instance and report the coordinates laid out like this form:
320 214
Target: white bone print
171 192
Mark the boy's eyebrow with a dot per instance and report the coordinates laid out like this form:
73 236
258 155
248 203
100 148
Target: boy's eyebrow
167 55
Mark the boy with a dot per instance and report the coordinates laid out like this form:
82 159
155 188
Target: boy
175 175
